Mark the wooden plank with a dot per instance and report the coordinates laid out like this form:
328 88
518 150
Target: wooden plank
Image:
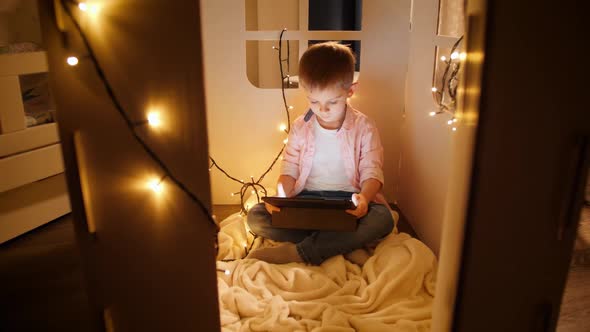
28 139
33 205
156 227
30 166
23 63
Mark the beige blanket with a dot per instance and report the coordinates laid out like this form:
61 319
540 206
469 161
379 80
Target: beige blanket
392 292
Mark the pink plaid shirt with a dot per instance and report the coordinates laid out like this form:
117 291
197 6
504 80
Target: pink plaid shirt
360 146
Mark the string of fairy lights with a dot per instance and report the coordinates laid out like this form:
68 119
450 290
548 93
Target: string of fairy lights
153 120
255 184
445 94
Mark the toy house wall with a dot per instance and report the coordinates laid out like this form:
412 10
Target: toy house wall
243 120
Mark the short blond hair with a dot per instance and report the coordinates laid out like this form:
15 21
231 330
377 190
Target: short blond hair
327 64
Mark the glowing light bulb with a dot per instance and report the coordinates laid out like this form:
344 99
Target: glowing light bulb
232 194
91 8
454 129
432 113
455 120
154 119
253 191
285 141
156 185
290 107
283 127
450 122
455 55
226 272
463 56
434 89
443 58
72 61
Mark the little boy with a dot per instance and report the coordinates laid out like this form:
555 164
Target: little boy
333 151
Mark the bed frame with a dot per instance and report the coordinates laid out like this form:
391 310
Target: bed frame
32 184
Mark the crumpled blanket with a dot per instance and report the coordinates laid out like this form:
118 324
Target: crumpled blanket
393 291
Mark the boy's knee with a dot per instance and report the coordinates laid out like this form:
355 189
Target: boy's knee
257 217
256 209
383 219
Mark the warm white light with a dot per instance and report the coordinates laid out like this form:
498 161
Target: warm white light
226 272
434 89
72 60
463 56
454 129
432 113
454 120
253 192
283 127
450 122
154 119
443 58
285 141
455 55
156 185
232 194
91 8
290 107
281 190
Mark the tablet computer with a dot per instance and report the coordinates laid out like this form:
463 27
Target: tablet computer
327 214
311 202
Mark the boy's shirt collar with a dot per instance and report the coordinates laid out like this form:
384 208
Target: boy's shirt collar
346 124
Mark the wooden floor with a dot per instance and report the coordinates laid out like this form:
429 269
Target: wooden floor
41 285
575 305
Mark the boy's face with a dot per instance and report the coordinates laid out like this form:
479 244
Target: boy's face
329 105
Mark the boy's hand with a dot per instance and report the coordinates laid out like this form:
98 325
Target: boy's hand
362 206
270 208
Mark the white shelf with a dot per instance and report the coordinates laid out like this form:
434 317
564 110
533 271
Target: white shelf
31 166
23 63
28 139
33 205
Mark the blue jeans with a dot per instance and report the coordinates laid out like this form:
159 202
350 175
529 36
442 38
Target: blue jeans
316 246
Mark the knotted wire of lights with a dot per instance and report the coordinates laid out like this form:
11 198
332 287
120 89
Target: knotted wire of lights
254 185
445 97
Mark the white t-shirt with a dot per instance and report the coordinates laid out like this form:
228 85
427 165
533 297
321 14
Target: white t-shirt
327 170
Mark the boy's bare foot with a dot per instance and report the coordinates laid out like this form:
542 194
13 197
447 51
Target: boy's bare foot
281 254
358 256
